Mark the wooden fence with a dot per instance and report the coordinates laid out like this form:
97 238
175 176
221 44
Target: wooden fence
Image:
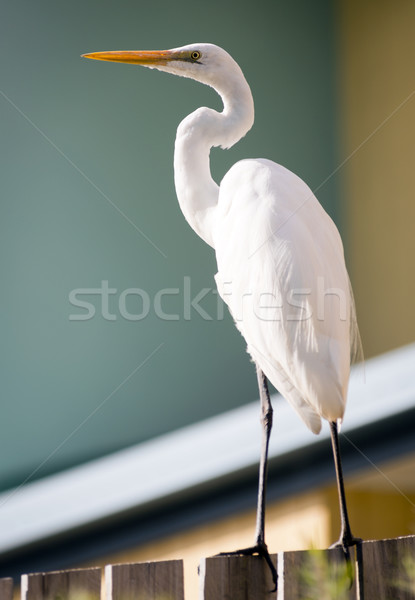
382 570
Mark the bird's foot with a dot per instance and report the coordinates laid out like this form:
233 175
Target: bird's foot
260 549
346 541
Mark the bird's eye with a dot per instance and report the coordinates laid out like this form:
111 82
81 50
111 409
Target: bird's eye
195 55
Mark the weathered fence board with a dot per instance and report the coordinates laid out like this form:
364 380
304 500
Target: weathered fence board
317 575
78 584
145 581
379 570
382 570
236 578
6 588
388 569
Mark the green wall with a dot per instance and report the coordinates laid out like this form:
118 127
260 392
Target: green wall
87 183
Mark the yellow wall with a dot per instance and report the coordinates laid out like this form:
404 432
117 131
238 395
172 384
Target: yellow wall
297 523
381 504
377 94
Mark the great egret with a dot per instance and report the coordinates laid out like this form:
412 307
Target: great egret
281 267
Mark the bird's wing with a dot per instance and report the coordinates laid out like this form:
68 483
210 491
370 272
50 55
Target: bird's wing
281 271
269 363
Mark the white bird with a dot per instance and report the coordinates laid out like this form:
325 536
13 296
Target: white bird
281 267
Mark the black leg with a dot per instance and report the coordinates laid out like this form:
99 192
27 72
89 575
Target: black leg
266 422
346 537
260 546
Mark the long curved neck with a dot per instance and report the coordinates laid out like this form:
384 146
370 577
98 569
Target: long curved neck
196 191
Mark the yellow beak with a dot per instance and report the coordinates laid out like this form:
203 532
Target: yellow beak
137 57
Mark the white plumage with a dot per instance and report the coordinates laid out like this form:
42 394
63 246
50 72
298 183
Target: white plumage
281 271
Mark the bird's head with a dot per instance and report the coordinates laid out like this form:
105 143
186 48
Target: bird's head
206 63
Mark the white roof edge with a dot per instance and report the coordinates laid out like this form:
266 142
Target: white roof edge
188 457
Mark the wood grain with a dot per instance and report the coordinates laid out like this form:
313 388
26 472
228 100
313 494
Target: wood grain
145 581
236 578
6 588
378 570
388 569
77 584
317 575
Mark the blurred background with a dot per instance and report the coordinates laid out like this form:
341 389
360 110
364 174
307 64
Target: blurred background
89 213
88 196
